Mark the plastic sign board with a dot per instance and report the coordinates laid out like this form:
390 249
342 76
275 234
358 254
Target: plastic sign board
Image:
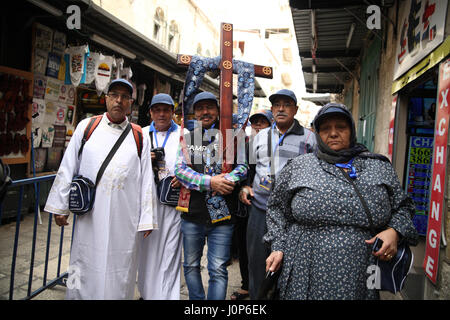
391 127
422 28
436 209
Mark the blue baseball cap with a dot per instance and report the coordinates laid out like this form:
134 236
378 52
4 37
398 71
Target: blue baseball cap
333 109
161 98
122 82
205 96
329 110
283 93
265 113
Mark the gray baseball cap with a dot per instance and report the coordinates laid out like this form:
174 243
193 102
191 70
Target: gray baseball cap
161 98
123 82
267 114
283 93
205 96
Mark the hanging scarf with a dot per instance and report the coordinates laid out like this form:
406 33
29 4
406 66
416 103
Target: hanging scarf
216 205
217 208
246 84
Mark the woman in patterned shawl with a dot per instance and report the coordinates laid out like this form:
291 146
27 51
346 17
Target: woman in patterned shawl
317 227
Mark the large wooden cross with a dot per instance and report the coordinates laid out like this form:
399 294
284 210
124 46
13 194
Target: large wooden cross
226 87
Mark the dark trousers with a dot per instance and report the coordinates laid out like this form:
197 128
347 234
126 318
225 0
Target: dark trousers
240 236
256 249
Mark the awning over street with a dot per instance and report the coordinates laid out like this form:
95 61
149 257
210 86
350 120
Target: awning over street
330 36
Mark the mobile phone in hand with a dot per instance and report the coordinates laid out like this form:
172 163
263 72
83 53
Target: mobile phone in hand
377 244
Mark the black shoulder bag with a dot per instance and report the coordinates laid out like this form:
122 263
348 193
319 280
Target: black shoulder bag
269 289
82 190
392 273
166 194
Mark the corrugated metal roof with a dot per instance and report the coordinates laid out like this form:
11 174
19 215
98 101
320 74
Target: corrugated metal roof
333 59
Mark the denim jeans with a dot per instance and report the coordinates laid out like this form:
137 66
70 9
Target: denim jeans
219 245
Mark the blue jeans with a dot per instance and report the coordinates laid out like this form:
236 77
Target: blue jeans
219 245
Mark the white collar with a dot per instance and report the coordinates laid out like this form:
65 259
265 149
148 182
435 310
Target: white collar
120 126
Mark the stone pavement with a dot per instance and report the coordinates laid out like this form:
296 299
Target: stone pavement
7 233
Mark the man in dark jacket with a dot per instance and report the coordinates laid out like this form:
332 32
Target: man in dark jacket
272 148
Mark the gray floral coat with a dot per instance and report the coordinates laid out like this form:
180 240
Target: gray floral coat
316 219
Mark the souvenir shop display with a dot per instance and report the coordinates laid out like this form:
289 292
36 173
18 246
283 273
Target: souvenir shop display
15 115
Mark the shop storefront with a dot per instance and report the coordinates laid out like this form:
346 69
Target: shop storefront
418 136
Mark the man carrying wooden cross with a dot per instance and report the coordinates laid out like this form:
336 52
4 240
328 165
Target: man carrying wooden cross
208 168
212 200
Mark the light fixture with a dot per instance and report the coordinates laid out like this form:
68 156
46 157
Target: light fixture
112 46
350 35
45 6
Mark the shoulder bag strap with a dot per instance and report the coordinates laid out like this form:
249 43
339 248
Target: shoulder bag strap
137 133
151 139
93 123
112 152
363 201
269 153
155 172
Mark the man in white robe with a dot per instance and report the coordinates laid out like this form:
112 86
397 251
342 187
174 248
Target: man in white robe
160 255
104 254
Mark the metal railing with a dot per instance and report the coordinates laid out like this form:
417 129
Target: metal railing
60 277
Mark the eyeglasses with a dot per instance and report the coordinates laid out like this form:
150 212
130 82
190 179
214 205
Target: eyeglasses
115 96
202 107
278 105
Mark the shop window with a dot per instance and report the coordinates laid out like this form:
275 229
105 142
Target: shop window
158 25
286 79
422 109
420 136
174 37
287 55
91 104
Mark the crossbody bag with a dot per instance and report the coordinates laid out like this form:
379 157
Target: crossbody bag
82 189
392 273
